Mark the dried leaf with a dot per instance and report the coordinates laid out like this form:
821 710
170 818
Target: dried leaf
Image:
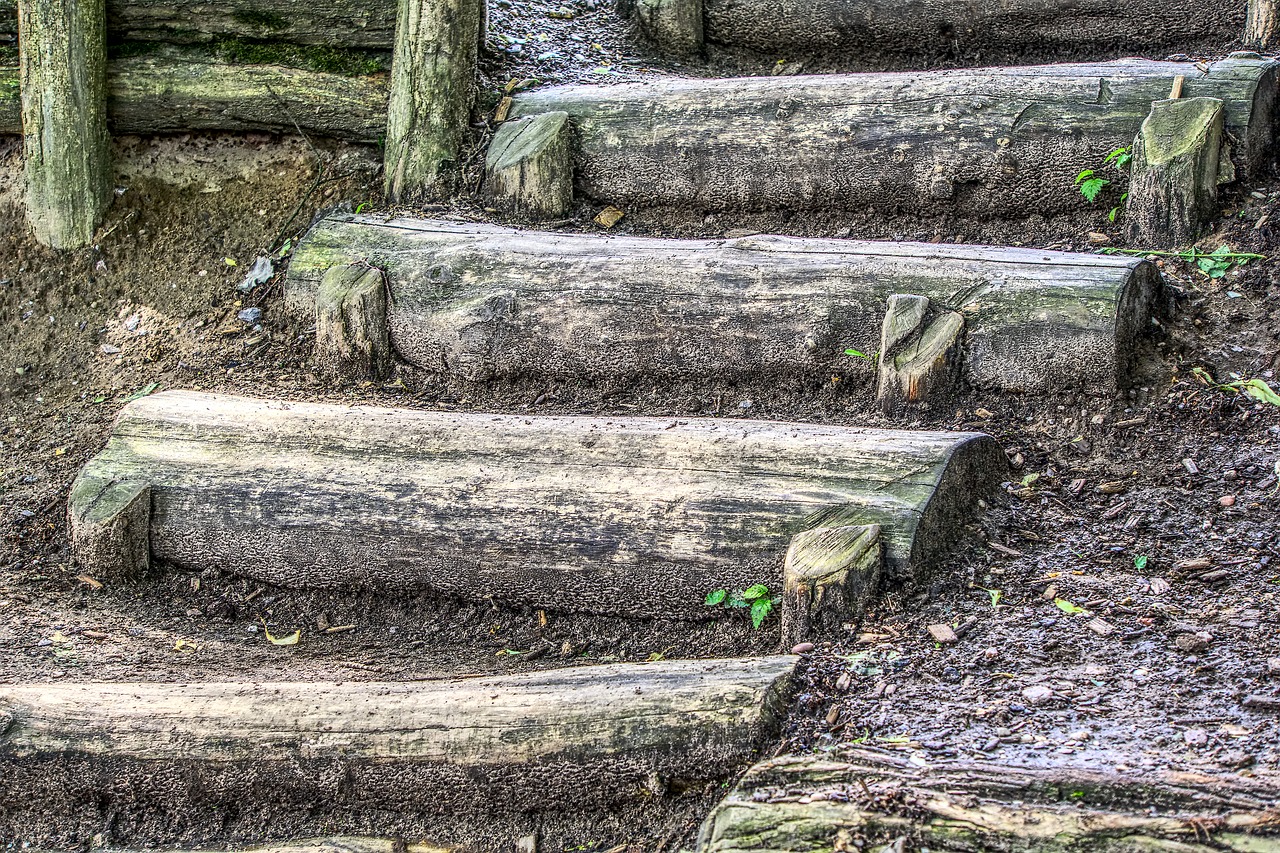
609 217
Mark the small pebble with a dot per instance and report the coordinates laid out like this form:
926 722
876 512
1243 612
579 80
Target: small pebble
1193 643
802 648
1195 737
1227 500
1037 694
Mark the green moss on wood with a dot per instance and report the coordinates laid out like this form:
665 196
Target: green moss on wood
260 19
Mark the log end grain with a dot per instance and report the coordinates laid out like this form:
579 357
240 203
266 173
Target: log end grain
529 168
829 574
110 524
352 341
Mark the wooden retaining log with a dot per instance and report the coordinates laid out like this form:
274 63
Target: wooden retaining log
633 516
479 302
66 152
331 844
864 31
169 94
997 142
187 759
807 805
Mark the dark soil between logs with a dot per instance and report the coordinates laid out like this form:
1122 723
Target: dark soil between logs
1174 476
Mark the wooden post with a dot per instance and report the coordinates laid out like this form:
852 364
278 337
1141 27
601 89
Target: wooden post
1261 27
110 524
66 149
529 169
432 88
919 355
827 577
1173 185
675 26
352 341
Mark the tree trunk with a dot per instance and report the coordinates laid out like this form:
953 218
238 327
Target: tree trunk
189 759
529 170
640 517
478 302
807 805
1173 183
432 89
165 94
986 142
66 151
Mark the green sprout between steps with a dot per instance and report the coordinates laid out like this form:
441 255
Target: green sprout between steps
1091 184
1213 264
872 357
755 597
1256 388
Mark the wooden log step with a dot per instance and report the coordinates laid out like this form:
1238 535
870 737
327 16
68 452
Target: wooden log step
478 302
167 94
633 516
884 802
188 759
1000 142
880 31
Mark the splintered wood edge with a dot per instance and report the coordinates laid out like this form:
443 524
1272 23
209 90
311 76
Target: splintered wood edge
829 575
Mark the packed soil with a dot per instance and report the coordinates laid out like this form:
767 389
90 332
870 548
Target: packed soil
1117 607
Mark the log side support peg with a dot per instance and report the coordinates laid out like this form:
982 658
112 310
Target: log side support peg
352 338
675 26
110 527
1262 26
828 576
919 353
1173 185
529 168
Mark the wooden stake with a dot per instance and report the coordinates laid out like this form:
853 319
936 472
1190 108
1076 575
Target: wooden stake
919 354
529 170
66 149
1176 91
827 578
432 89
1262 24
352 341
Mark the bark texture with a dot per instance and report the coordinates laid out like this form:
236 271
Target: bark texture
984 142
65 149
529 168
161 94
634 516
432 88
807 805
1173 184
477 302
193 756
351 324
331 844
829 575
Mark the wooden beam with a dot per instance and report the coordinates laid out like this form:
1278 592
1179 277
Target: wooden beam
432 88
798 804
529 168
66 151
187 760
982 142
525 305
1173 178
631 516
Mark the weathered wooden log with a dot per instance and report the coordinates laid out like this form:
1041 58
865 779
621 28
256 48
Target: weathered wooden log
188 757
984 142
477 302
331 844
1173 177
806 805
1263 24
432 89
828 576
872 32
167 94
919 356
529 168
351 323
641 517
66 152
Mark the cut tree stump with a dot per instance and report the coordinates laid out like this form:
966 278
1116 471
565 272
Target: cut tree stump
1173 178
432 88
809 805
66 152
876 33
351 324
828 576
482 303
529 168
920 356
165 94
189 759
633 516
984 142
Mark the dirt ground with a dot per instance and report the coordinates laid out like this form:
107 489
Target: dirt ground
1117 608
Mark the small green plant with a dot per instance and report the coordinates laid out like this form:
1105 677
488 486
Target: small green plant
756 598
871 357
1140 562
1213 264
1256 388
995 594
1091 184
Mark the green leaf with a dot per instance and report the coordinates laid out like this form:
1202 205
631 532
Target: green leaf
1259 390
1092 188
144 391
1067 607
716 597
760 609
1140 562
756 591
859 354
995 594
1087 173
736 600
1112 215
